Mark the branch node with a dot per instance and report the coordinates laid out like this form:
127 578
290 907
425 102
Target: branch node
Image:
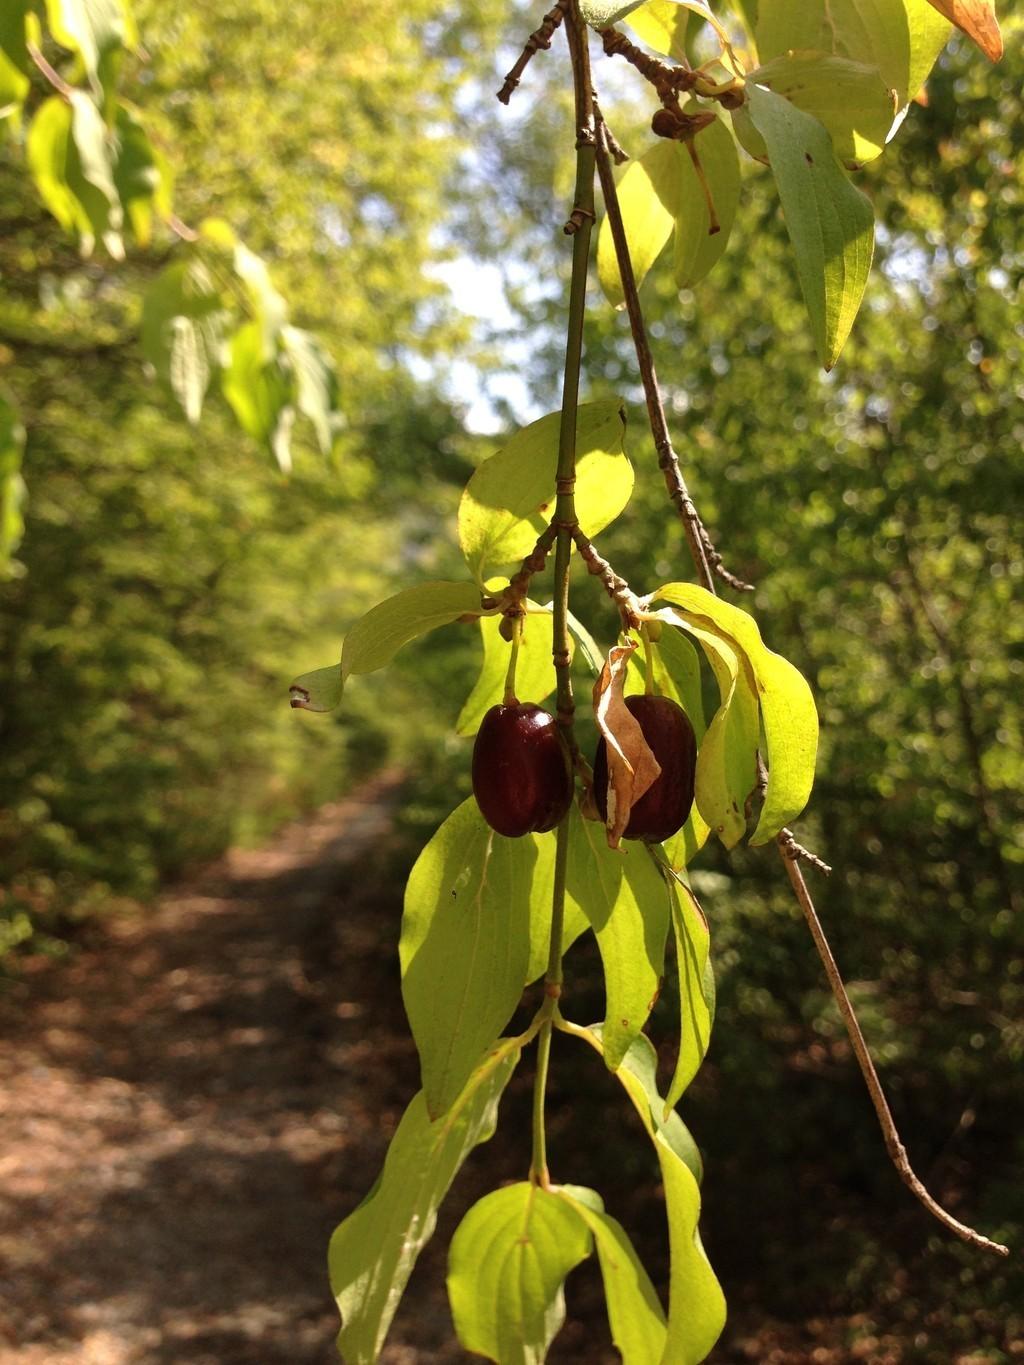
797 853
538 41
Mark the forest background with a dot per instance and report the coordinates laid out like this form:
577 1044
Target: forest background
170 581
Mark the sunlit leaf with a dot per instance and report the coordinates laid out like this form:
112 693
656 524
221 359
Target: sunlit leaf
259 393
830 223
535 674
475 928
696 1313
373 1251
509 1259
661 193
727 756
648 193
636 1317
849 98
662 25
623 897
141 176
315 383
788 712
183 327
511 497
696 248
902 38
377 637
696 987
71 156
92 28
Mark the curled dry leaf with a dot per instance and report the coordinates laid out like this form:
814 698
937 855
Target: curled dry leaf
632 767
976 18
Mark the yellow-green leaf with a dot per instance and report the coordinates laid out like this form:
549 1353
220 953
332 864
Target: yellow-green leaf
662 24
508 1261
787 705
623 897
849 98
372 1253
635 1316
511 497
377 637
696 1312
535 674
902 38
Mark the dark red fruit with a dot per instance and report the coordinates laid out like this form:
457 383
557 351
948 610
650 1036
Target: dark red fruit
663 808
522 773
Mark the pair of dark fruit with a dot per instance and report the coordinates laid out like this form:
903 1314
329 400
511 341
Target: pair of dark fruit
522 771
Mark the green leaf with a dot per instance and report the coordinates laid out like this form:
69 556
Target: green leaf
662 24
511 497
315 382
319 690
849 98
12 486
648 193
141 176
70 155
377 637
14 59
623 897
696 248
535 674
696 1313
183 325
465 945
902 38
259 393
600 13
92 28
787 705
508 1261
830 223
373 1251
696 987
636 1317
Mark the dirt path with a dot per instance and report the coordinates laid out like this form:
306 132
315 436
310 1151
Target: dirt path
189 1106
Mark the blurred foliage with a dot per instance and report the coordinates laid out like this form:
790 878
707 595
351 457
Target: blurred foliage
170 583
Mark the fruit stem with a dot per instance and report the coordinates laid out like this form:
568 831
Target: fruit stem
579 227
645 635
510 698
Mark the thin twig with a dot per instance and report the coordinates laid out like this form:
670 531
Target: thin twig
540 40
789 851
706 558
53 76
894 1146
789 845
614 585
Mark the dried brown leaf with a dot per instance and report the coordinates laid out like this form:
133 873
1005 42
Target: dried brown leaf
632 767
976 18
